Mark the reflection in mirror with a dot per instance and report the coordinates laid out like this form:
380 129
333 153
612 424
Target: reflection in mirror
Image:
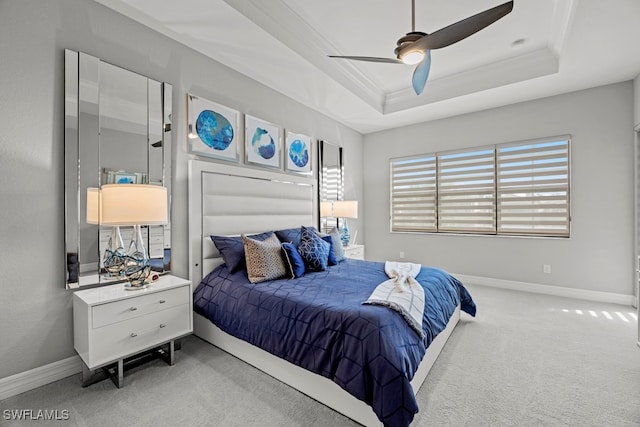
117 130
330 181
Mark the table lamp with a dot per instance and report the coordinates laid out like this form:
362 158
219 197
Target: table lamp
345 209
135 205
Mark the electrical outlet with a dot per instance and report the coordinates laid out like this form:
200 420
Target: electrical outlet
401 255
546 268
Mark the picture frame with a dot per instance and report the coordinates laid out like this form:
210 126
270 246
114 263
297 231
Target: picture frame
125 178
111 176
213 129
297 153
262 142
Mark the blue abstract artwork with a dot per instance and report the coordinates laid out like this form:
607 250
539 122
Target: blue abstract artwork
298 153
213 129
262 142
298 149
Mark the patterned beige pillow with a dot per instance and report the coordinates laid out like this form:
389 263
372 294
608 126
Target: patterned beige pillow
264 259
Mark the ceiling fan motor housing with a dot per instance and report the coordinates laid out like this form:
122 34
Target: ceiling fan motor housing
407 40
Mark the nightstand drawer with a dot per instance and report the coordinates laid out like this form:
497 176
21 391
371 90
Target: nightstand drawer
120 339
156 240
118 311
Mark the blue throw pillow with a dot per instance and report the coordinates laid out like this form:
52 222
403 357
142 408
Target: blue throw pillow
331 259
314 250
291 235
293 259
231 249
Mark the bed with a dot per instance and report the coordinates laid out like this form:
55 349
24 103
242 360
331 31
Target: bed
312 332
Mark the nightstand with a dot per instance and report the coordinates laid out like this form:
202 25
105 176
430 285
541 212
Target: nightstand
112 326
354 251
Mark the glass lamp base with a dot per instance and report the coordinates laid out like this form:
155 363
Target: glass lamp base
113 263
130 287
136 263
344 235
136 270
113 259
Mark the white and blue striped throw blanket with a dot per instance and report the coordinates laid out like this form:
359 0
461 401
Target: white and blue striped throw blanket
401 293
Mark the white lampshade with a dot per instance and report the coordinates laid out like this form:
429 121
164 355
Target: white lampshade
133 204
345 209
326 208
93 205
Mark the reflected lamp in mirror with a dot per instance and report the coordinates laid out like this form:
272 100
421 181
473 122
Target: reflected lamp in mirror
134 205
326 209
113 257
345 209
93 205
326 216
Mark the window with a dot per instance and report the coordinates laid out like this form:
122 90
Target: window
413 194
466 191
510 189
533 188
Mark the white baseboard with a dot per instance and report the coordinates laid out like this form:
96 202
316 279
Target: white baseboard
34 378
548 290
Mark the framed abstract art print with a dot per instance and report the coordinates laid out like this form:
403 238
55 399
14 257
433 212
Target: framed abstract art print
297 153
213 129
262 142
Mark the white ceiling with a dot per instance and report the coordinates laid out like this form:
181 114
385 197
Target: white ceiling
560 46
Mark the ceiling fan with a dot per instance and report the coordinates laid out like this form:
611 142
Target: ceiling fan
415 47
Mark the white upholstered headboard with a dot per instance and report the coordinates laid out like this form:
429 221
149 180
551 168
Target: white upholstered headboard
231 200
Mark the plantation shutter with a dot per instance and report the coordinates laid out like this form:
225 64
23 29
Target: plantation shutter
413 194
466 191
533 188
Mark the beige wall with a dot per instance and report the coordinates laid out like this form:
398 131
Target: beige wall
36 312
599 254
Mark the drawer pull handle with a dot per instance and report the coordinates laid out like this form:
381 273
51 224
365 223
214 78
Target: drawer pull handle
162 301
162 325
133 308
133 335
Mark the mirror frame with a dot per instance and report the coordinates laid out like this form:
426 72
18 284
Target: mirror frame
82 159
324 148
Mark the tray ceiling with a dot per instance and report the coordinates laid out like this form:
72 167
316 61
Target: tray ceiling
543 48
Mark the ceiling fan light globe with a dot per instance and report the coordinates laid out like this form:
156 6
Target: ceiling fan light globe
412 57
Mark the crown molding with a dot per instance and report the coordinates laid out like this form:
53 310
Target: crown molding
280 21
527 66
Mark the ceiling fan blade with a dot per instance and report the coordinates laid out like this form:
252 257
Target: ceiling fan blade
460 30
369 59
421 73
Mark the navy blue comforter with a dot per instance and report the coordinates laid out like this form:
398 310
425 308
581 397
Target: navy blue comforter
318 322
